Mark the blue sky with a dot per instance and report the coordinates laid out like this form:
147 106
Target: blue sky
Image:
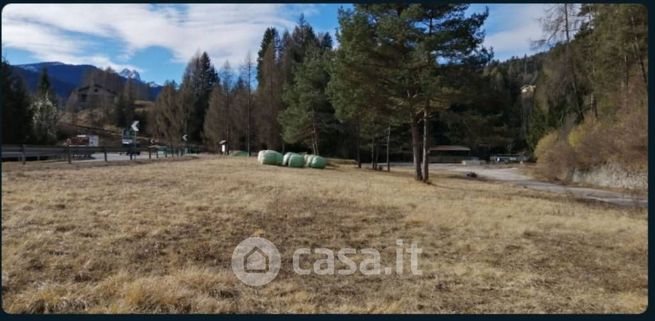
158 40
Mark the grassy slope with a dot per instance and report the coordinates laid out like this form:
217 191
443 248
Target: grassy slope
159 238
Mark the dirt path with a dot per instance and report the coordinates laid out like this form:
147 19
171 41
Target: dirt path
514 176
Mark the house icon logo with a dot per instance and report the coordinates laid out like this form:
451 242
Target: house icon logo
256 261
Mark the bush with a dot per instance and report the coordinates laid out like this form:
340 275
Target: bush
559 162
588 143
545 145
555 157
620 141
578 134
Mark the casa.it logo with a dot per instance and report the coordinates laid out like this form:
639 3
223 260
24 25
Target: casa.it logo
256 261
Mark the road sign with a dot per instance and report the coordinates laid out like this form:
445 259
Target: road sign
184 137
134 126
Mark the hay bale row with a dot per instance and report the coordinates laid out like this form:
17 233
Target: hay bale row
271 157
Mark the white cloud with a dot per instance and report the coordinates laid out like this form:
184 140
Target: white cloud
512 28
225 31
75 33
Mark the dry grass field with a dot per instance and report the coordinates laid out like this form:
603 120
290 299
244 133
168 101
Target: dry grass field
158 238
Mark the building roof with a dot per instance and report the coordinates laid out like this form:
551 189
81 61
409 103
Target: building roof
450 148
87 87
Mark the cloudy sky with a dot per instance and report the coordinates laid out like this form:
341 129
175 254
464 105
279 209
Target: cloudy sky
158 40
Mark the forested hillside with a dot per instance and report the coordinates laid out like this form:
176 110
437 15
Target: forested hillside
590 104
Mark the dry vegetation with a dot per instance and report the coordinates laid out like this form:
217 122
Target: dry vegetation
619 141
158 238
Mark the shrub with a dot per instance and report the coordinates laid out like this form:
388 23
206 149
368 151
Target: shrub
545 144
555 157
588 144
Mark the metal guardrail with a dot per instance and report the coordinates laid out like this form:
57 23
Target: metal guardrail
23 152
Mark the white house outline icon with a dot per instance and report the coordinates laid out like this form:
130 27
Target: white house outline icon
256 261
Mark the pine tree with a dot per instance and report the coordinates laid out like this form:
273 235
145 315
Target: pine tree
270 38
309 114
354 88
247 75
407 43
124 108
45 114
44 87
16 112
239 115
198 80
444 34
269 101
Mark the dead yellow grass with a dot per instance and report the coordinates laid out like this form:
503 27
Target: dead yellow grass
158 238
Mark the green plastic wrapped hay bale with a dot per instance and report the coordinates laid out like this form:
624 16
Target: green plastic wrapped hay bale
272 157
239 153
285 159
308 160
260 155
318 162
296 161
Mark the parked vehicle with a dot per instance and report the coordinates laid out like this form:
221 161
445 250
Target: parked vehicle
128 139
83 141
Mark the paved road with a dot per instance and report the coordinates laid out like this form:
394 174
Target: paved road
513 175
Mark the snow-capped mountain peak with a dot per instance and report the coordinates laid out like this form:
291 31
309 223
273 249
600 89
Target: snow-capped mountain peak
130 74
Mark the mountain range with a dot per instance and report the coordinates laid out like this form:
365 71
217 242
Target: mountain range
64 78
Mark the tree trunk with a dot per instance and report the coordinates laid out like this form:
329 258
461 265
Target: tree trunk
388 144
426 124
376 148
373 153
416 148
227 142
358 143
248 127
594 106
426 146
569 58
644 74
625 81
315 130
592 99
